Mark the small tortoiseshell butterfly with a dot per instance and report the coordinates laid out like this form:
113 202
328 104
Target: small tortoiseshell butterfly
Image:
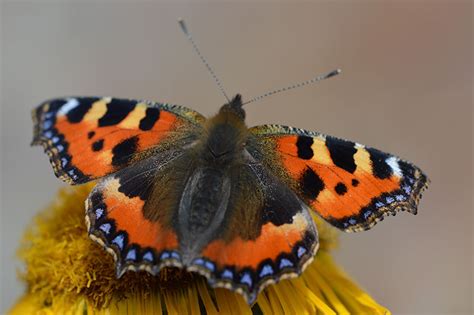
211 195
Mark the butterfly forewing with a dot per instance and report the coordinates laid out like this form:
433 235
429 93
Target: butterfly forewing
90 137
350 185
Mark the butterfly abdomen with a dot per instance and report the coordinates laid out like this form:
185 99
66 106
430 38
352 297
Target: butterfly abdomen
205 199
202 208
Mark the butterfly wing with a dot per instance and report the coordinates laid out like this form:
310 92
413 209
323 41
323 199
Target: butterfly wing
123 215
350 185
267 235
89 137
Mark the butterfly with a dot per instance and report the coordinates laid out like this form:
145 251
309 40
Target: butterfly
212 196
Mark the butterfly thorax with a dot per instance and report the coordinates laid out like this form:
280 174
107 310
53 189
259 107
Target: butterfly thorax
225 136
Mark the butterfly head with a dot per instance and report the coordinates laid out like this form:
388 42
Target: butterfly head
234 107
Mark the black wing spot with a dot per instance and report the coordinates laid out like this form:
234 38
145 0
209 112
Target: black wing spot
380 168
98 145
90 134
340 189
311 184
304 144
355 182
123 152
117 110
152 115
76 114
342 153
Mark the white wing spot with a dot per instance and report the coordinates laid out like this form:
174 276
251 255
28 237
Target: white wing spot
393 163
70 104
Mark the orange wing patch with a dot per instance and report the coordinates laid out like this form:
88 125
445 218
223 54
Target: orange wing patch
273 241
127 214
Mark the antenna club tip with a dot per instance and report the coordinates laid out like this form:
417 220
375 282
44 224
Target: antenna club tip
182 24
333 73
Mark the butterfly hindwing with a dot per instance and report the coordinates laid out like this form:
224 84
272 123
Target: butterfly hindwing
350 185
268 235
89 137
119 216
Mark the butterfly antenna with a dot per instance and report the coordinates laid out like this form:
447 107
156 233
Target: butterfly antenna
204 61
297 85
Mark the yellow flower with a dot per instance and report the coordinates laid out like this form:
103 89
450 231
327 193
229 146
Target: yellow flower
67 273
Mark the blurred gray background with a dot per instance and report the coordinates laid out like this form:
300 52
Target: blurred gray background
405 88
